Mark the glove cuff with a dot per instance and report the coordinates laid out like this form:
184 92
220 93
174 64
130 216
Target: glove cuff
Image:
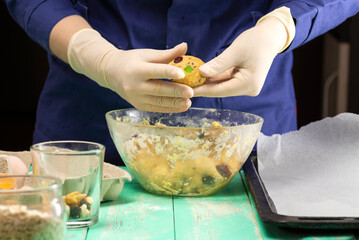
283 14
88 53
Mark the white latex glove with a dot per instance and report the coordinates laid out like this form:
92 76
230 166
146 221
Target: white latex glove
242 68
133 74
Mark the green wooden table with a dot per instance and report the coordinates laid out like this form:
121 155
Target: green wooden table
231 214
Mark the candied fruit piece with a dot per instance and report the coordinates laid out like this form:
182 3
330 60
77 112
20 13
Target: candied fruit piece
223 170
216 124
70 200
208 180
178 59
72 194
79 197
202 135
188 69
75 212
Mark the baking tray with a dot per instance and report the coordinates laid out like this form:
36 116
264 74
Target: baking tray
268 213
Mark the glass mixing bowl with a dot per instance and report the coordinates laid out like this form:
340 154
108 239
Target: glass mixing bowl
193 153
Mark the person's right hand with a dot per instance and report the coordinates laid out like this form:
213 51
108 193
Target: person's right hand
133 74
243 67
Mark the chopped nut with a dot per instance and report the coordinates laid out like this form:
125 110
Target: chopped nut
67 210
89 200
79 204
84 211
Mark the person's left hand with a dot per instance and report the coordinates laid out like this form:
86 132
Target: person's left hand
242 68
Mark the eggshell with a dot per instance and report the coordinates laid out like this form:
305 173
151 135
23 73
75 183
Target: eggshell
18 168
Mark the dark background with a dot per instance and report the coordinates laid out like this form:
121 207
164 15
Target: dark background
24 68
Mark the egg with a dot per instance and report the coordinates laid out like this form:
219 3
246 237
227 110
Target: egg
17 167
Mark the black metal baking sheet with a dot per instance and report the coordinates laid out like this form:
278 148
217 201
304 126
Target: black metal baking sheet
267 211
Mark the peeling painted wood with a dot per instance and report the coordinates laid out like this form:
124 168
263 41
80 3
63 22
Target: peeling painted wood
76 234
231 214
226 215
135 215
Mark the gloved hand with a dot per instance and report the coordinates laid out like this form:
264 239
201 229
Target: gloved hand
242 68
133 74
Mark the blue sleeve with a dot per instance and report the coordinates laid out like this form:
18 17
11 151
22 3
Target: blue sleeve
315 17
38 17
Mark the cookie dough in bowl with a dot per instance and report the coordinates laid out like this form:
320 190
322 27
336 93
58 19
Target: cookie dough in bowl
194 153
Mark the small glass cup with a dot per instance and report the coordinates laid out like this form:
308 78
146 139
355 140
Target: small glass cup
31 207
79 166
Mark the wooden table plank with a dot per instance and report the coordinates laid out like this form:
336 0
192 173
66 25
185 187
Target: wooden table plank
135 215
270 231
231 214
227 215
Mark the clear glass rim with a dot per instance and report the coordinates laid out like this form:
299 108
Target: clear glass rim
260 119
56 184
37 147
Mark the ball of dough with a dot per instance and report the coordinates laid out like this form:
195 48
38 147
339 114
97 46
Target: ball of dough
190 65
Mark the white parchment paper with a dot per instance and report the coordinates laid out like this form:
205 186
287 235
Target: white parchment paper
313 171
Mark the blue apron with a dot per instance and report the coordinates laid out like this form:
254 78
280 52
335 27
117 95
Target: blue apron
73 107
